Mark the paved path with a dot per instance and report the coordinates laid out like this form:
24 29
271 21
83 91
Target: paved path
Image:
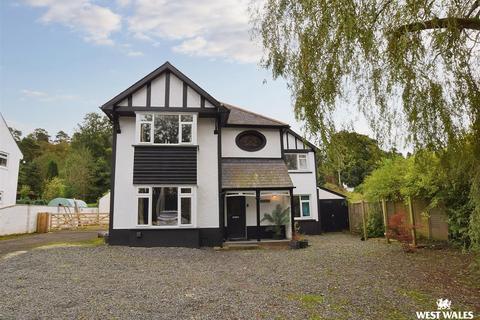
29 241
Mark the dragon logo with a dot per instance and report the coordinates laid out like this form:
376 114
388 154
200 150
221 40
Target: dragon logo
444 304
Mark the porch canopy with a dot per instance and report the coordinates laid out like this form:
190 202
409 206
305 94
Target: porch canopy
255 174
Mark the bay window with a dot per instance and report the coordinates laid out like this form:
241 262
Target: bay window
301 206
166 128
170 206
296 161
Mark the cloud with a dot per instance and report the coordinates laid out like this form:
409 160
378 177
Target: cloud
45 97
134 53
94 22
219 29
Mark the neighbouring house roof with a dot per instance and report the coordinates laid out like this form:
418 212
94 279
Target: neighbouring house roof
239 116
255 173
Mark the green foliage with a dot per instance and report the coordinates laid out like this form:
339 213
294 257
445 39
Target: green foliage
375 227
386 181
52 170
377 52
54 188
79 173
278 217
350 157
24 191
82 163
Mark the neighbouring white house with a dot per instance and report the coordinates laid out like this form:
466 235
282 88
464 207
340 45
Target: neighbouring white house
10 156
188 170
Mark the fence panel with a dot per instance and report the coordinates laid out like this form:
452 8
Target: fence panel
431 225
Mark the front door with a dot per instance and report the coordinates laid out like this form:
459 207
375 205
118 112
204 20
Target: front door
236 218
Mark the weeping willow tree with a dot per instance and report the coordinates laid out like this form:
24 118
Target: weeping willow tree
411 66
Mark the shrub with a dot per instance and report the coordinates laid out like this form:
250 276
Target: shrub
375 227
24 201
40 202
400 230
54 188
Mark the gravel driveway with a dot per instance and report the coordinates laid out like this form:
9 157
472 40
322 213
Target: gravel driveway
338 277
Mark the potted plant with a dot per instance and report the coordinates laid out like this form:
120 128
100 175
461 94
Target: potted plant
279 217
298 239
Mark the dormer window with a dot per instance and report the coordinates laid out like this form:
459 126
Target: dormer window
166 128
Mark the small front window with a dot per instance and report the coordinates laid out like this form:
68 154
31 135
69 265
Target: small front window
296 161
301 206
3 159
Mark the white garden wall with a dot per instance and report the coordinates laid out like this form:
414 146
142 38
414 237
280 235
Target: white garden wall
23 218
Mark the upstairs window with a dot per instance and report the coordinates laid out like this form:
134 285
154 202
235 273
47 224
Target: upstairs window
296 161
166 128
3 159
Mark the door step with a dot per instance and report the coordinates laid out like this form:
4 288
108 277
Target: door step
238 246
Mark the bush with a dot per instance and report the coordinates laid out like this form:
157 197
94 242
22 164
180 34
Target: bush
24 201
40 202
54 188
375 227
400 230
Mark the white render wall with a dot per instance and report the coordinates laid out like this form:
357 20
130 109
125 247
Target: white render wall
271 150
125 206
9 175
305 184
207 175
23 218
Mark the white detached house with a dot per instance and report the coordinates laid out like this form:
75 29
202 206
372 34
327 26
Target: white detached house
188 170
10 156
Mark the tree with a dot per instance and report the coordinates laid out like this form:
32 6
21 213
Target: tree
424 53
17 134
95 133
351 157
78 174
410 65
54 188
62 136
29 175
52 170
40 135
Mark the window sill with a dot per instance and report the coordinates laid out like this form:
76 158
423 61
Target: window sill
164 145
299 171
186 226
304 218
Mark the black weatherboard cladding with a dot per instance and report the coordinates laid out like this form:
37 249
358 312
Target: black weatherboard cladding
165 165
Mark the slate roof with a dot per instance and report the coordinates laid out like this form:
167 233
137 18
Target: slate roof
255 173
239 116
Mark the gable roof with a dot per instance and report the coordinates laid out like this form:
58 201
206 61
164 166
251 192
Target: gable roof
2 120
304 140
242 117
255 173
167 66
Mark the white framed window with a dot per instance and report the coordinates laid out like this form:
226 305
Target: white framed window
165 206
296 161
301 206
3 159
166 128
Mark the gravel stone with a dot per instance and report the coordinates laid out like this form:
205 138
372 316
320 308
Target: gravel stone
337 277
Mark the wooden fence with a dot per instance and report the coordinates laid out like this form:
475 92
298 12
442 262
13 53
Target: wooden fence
429 224
58 221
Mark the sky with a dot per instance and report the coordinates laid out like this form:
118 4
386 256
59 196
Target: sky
60 59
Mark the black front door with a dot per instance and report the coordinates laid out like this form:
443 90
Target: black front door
236 220
334 215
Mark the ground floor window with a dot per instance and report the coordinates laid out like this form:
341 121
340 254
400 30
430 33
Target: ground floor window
301 206
163 206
